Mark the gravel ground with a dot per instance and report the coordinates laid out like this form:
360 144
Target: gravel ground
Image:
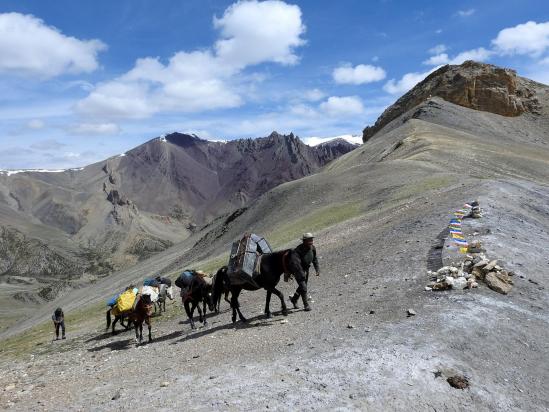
357 350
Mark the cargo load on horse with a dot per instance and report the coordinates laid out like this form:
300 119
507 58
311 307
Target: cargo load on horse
185 278
245 259
125 302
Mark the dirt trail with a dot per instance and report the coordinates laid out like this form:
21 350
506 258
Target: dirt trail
357 349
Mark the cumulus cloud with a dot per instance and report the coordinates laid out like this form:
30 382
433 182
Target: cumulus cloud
95 129
480 54
437 59
363 73
529 38
407 81
29 47
314 95
251 32
466 13
342 106
438 49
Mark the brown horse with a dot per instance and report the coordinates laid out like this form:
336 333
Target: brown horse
142 313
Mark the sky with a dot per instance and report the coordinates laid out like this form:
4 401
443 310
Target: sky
81 81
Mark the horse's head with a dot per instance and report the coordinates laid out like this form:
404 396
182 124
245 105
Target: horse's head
146 304
210 301
294 265
169 292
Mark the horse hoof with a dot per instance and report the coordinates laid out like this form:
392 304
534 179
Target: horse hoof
284 312
268 315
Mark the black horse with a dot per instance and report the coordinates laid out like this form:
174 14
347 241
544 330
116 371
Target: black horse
199 291
221 286
272 266
117 318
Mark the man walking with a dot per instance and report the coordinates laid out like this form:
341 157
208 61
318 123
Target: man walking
307 252
58 318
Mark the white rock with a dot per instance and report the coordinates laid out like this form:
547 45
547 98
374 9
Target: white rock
450 281
460 283
427 288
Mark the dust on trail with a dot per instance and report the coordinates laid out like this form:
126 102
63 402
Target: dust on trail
357 349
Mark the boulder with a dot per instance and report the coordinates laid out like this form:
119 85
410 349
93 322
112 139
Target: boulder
494 283
459 283
490 266
481 263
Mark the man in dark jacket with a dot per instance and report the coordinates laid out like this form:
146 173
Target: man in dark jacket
58 318
307 252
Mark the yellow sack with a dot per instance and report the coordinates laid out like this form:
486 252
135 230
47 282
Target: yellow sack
124 303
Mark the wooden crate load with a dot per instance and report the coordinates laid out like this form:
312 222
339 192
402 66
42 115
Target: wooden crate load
243 258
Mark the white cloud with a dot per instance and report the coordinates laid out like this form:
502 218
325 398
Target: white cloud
363 73
438 49
342 106
480 54
407 81
251 33
437 60
35 124
466 13
303 110
95 129
29 47
530 38
314 95
315 141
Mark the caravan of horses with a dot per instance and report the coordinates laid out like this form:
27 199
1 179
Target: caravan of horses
249 268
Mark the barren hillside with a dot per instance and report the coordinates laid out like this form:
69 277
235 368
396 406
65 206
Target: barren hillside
376 339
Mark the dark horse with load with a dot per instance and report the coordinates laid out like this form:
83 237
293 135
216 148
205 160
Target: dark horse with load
267 270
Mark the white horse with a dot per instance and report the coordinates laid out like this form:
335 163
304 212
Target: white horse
164 292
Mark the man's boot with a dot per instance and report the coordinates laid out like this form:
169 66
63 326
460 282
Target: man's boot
306 305
294 299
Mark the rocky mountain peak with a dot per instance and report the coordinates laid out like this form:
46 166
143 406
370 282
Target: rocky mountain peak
474 85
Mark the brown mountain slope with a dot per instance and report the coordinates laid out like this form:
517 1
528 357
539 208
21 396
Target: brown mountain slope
111 214
478 86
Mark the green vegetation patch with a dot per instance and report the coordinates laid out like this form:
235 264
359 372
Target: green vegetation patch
424 185
313 222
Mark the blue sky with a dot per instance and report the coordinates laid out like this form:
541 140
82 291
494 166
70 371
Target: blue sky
82 81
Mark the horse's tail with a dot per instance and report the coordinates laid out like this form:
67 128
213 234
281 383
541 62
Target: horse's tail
218 282
108 318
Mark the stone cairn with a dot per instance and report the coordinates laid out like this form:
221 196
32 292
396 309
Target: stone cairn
475 268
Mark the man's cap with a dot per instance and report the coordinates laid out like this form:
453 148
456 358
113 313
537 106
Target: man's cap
200 273
307 235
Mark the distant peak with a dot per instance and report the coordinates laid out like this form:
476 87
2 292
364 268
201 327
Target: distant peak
477 86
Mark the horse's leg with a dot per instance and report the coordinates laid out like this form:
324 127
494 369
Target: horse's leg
236 305
141 331
189 313
282 302
116 318
108 317
227 296
200 314
136 327
148 321
267 304
204 306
